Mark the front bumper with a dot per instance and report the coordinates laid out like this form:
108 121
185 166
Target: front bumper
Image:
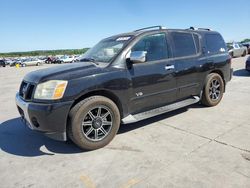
50 119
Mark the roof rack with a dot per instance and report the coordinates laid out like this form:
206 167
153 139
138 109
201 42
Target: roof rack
152 27
193 28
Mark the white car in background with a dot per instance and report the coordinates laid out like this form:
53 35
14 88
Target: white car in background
66 59
9 61
237 50
32 62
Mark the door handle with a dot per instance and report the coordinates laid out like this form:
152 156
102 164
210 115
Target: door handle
169 67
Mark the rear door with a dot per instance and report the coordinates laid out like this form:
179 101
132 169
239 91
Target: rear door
187 53
153 82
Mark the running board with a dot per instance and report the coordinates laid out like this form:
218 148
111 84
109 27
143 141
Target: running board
144 115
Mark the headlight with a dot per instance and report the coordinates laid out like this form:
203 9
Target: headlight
50 90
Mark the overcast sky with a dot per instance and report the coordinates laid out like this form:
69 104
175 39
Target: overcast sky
65 24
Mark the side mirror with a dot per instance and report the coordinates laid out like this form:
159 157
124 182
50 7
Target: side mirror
138 56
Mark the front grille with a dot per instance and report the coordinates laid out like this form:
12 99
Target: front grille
26 90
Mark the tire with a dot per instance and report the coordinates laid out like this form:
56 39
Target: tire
100 126
244 54
213 90
23 65
232 54
38 64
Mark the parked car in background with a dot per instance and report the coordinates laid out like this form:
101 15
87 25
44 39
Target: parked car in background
237 50
30 62
247 44
248 64
52 60
15 62
66 59
2 63
8 61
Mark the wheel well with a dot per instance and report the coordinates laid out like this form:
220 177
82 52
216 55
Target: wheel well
103 93
218 72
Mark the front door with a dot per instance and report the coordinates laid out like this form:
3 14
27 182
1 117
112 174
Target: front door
153 82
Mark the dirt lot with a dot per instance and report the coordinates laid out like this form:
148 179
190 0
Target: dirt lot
190 147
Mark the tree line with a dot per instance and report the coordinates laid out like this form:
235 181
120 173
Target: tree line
245 40
56 52
45 53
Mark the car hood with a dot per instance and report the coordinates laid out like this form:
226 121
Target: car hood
63 72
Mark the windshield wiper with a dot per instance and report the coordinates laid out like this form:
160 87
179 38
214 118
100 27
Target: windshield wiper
90 60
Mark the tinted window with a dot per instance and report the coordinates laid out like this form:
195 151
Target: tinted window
183 44
197 43
236 46
155 46
215 43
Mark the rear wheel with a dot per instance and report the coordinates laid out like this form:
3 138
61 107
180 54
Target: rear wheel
244 54
232 54
213 90
93 122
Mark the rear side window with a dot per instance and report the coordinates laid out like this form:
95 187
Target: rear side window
197 42
215 44
183 44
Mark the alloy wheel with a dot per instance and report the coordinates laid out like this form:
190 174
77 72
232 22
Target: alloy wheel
97 123
215 89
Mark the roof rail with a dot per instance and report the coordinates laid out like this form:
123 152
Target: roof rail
152 27
193 28
207 29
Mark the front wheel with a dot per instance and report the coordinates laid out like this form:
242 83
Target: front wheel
93 122
213 90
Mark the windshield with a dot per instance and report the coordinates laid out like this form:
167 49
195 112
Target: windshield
105 50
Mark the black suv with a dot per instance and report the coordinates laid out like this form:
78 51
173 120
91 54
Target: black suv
123 79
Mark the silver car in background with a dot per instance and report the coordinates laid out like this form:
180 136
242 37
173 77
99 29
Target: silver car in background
30 62
237 50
